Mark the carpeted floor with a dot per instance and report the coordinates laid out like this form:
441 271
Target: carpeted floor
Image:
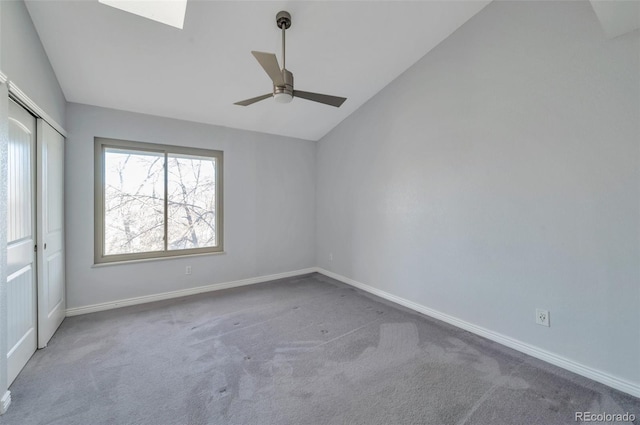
303 350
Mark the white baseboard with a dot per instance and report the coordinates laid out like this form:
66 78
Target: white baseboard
181 293
5 401
533 351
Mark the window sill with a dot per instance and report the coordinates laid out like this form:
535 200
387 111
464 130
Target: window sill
146 260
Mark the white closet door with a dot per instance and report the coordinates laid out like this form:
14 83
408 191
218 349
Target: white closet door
21 240
50 223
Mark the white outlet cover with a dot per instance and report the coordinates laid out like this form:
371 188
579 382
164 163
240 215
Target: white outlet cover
542 317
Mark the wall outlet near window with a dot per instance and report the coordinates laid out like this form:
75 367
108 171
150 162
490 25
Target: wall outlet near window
542 317
187 270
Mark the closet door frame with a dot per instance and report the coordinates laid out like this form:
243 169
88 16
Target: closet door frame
50 230
48 211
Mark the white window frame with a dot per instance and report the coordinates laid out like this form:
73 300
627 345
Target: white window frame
100 145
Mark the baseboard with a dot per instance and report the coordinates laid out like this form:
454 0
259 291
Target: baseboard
5 401
533 351
181 293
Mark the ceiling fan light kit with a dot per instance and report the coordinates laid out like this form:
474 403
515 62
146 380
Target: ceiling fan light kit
282 79
282 97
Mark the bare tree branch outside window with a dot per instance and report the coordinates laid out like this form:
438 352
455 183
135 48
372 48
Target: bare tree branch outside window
134 199
192 190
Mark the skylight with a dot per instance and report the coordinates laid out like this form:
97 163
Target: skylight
169 12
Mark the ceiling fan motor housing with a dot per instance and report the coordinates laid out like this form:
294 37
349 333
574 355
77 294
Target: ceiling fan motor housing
288 84
284 94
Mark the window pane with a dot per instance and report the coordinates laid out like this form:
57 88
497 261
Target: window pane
191 201
133 201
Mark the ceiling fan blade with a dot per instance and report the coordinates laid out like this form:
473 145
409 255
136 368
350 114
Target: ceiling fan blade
269 62
321 98
248 102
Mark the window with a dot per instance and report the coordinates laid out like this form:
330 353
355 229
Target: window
156 200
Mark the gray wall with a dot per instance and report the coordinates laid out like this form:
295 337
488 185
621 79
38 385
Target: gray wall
25 62
269 206
499 174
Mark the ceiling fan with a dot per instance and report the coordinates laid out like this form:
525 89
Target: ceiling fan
283 91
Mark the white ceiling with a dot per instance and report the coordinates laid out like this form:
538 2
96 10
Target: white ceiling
106 57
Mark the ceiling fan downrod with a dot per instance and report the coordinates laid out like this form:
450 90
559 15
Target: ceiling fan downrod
283 20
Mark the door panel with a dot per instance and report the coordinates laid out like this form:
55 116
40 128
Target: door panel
20 188
51 286
20 292
19 254
21 280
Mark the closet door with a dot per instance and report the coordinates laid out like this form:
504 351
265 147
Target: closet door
21 240
50 223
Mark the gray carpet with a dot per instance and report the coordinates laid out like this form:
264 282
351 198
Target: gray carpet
303 350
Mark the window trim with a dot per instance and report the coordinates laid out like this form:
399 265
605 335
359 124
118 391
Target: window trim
100 144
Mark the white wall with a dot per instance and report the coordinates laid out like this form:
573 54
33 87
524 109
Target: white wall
499 174
269 206
25 62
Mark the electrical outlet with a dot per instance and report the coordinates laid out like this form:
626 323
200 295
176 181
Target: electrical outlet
542 317
331 256
187 270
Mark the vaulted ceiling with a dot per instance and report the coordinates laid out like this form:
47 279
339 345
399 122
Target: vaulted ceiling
107 57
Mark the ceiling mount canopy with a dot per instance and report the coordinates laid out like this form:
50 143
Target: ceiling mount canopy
282 78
